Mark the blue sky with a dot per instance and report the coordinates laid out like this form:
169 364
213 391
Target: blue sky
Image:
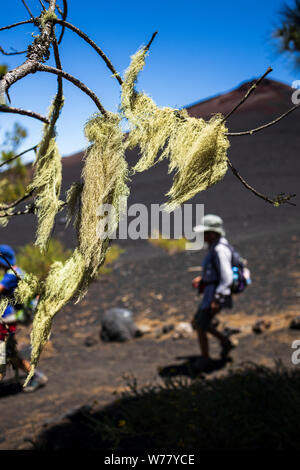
202 49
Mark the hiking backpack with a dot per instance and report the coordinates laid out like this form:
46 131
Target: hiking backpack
240 273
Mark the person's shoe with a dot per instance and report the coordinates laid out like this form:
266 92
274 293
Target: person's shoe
227 346
38 380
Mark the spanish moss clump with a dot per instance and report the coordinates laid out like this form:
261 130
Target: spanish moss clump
47 180
197 150
27 289
105 177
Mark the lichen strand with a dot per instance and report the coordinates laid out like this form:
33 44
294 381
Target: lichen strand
47 180
73 196
197 150
27 289
105 176
60 286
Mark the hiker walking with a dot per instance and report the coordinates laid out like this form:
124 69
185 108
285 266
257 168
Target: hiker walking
215 285
9 319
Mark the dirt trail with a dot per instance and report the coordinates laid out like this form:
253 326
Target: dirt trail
79 374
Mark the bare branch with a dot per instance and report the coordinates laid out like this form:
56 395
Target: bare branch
279 199
151 40
11 267
28 9
17 156
253 87
23 112
75 81
12 53
265 126
93 45
28 210
64 17
18 201
3 28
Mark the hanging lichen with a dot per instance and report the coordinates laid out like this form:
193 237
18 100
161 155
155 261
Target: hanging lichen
47 178
104 182
28 288
5 216
4 301
73 196
196 149
105 176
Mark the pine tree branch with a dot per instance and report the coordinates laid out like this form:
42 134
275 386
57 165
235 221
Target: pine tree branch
17 202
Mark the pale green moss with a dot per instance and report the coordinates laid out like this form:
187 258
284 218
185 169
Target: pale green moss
197 150
47 179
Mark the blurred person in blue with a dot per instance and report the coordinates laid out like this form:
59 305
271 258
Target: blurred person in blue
12 315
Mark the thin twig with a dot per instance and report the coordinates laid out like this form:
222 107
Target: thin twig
64 17
11 267
11 53
42 5
28 210
251 89
3 28
18 201
75 81
28 9
17 156
93 45
279 199
23 112
147 47
265 126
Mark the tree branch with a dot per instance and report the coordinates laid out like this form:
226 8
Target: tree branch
75 81
279 199
253 87
18 201
265 126
11 267
64 17
11 53
3 28
93 45
23 112
17 156
147 47
28 9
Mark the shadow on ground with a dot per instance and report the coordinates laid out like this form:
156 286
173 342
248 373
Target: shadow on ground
190 368
10 387
253 407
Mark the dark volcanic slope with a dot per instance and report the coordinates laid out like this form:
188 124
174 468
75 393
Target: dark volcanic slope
268 160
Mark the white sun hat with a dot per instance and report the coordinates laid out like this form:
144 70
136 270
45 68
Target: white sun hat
211 223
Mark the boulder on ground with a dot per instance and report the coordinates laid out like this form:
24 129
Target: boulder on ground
117 324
